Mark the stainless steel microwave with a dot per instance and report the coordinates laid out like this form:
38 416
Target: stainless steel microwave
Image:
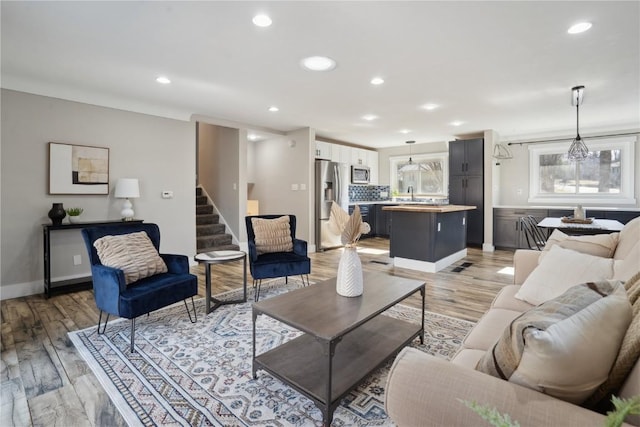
360 174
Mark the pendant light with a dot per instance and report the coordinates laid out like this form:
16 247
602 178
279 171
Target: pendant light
578 151
410 143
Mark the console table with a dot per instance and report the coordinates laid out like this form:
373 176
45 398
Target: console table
78 283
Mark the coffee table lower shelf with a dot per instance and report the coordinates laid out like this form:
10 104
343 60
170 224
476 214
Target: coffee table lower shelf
304 362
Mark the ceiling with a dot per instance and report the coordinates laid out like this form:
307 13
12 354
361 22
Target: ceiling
507 66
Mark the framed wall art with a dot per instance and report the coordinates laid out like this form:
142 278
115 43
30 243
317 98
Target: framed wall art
78 169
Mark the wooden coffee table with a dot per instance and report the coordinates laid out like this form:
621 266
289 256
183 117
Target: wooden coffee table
344 339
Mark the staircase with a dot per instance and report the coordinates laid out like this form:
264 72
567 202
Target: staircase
210 235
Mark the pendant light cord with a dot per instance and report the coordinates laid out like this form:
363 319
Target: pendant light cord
578 117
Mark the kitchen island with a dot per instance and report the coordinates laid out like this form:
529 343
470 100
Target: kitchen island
428 238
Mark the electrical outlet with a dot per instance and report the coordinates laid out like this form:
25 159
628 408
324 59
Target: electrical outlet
519 191
294 187
77 260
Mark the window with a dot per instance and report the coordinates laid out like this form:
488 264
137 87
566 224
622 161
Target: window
606 176
427 175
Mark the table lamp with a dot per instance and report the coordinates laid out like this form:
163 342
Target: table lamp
127 188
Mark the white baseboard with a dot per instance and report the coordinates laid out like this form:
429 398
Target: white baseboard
429 267
17 290
488 247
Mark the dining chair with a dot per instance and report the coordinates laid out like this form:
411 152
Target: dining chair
535 236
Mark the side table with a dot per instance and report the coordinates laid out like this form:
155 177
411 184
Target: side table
221 257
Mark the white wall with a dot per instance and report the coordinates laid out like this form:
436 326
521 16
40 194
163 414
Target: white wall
222 172
159 152
514 177
279 163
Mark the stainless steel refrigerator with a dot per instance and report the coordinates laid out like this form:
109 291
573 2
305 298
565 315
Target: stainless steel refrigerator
332 184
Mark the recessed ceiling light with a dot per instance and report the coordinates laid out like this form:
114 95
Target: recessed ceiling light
261 21
369 117
377 81
430 107
252 136
580 27
273 109
318 63
163 80
456 123
405 131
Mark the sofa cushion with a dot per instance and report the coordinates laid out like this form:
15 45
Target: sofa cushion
624 269
272 235
487 331
133 253
629 237
603 245
566 346
468 357
558 270
629 349
506 299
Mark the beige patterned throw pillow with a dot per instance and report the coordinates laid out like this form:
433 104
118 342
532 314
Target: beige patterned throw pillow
132 253
272 235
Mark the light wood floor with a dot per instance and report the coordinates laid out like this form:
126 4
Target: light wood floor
46 382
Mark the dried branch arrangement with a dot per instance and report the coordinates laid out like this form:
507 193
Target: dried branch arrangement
351 227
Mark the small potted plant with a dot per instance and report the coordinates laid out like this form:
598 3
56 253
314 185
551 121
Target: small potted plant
74 214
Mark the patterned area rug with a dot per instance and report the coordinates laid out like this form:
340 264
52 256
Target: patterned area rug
200 374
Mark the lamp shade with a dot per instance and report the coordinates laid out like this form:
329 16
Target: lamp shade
127 188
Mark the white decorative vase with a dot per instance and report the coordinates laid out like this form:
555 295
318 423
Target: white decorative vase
74 219
349 280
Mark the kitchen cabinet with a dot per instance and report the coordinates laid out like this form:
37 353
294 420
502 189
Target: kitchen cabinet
323 150
622 216
466 184
383 221
466 157
341 153
359 156
507 233
506 226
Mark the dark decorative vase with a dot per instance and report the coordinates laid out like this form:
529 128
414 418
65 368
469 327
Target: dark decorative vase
57 213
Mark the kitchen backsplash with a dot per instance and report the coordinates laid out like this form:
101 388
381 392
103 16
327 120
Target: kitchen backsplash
365 193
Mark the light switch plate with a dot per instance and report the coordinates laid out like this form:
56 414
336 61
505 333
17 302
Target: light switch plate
167 194
294 187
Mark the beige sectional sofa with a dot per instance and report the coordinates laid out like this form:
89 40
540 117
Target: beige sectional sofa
423 390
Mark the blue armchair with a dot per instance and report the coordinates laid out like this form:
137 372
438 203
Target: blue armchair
277 264
114 296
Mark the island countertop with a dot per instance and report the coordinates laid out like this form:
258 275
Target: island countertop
428 208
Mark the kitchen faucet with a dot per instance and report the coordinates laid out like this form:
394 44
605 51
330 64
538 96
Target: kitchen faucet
410 190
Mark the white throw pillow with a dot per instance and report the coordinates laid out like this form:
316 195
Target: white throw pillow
561 269
603 245
566 346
